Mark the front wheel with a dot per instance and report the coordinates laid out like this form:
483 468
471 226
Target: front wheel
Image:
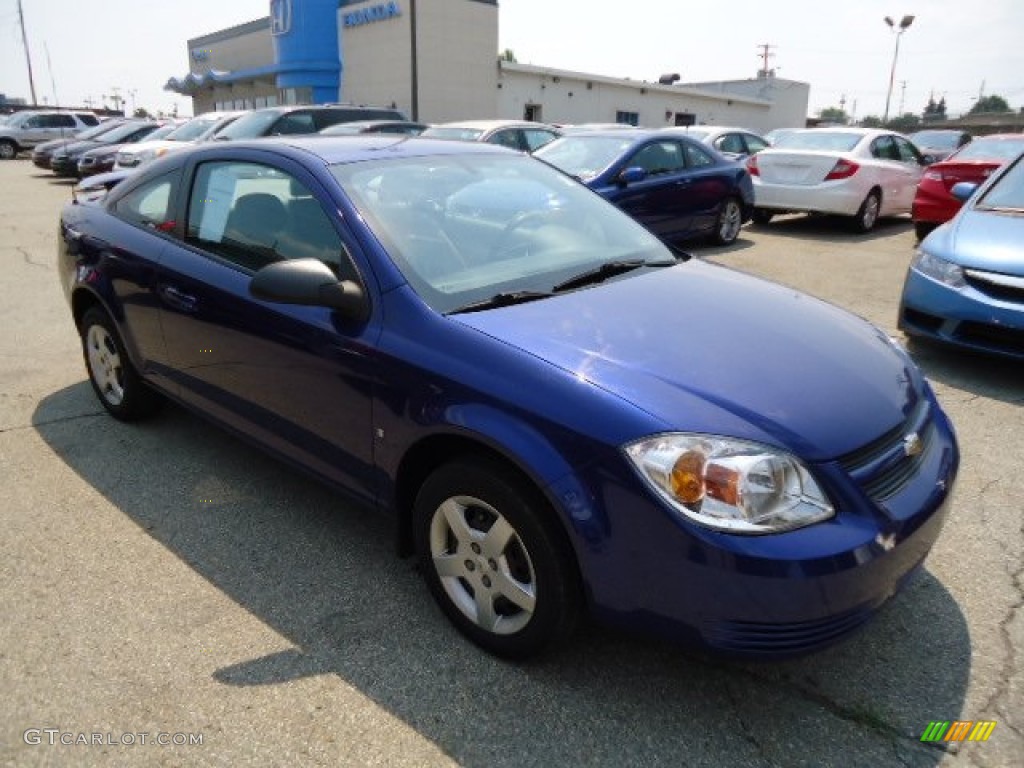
729 222
494 558
113 377
8 149
867 215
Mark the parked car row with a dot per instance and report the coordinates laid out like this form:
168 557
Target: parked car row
24 130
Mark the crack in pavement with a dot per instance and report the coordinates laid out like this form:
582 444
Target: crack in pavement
62 419
28 258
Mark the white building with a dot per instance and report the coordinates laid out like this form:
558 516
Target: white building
437 61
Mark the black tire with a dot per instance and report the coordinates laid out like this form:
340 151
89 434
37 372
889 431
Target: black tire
113 377
526 579
729 222
762 217
867 215
8 149
923 228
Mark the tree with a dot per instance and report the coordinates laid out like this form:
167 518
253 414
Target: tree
935 110
871 121
991 103
905 123
141 112
834 115
508 55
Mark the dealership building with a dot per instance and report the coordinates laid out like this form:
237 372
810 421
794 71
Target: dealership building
437 60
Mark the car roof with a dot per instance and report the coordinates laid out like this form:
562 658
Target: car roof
488 125
334 150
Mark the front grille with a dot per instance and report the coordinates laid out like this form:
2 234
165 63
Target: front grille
1003 287
996 338
885 465
786 637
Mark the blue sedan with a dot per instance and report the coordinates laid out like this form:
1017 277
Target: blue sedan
965 286
563 415
674 185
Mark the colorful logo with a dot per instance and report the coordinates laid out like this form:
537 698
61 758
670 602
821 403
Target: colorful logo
280 17
958 730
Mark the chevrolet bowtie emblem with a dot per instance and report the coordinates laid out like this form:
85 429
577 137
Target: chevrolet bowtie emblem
912 444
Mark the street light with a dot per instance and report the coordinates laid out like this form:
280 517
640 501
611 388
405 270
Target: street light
905 22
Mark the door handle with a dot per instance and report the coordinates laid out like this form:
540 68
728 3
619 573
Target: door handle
179 299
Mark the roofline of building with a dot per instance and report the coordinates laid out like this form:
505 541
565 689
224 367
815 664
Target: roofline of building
685 89
256 25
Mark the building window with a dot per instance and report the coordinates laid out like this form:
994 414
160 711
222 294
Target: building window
627 118
532 112
685 118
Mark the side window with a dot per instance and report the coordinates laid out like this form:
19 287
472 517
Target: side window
508 138
731 142
755 144
658 158
88 119
60 121
149 205
907 152
884 149
36 121
535 139
253 215
697 157
292 123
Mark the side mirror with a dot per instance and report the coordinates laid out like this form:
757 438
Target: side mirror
928 159
963 190
309 282
632 175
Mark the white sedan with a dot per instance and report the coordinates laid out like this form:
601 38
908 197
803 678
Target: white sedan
858 172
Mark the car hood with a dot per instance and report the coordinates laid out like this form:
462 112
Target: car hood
143 146
983 240
707 349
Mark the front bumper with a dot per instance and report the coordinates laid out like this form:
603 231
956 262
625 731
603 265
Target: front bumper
977 316
776 595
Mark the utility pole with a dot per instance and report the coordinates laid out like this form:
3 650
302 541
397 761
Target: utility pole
766 53
903 94
28 58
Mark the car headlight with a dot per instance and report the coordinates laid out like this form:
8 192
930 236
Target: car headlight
731 485
946 272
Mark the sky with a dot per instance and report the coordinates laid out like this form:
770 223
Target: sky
954 49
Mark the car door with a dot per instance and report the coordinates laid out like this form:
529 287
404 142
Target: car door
663 199
890 174
910 172
295 378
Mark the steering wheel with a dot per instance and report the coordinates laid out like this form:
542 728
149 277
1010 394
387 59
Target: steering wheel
501 243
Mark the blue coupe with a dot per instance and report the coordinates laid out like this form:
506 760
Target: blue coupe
673 184
563 415
965 286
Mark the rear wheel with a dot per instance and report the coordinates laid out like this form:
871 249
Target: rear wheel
729 222
494 558
8 149
113 377
761 216
867 215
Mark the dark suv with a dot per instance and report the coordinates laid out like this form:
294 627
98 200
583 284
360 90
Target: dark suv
282 121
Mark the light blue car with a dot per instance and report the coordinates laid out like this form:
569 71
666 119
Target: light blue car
965 286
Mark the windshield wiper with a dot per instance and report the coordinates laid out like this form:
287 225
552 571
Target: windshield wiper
608 269
502 300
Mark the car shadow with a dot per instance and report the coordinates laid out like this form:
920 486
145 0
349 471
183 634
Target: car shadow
984 375
324 575
832 229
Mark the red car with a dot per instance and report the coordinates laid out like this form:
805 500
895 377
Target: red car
933 204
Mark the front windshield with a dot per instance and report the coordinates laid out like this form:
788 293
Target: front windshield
463 228
451 132
584 156
936 139
162 132
991 149
193 129
118 134
1007 193
828 141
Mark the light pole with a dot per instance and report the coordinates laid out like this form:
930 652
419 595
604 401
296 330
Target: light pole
905 22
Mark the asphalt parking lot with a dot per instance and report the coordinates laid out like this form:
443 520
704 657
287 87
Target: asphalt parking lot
166 580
